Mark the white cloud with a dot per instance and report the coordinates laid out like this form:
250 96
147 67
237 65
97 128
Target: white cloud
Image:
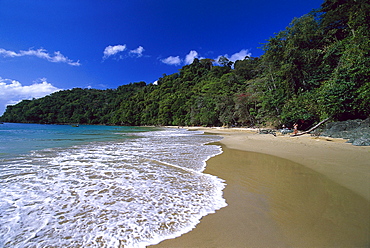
12 91
42 54
172 60
236 56
138 51
112 50
240 55
190 57
7 53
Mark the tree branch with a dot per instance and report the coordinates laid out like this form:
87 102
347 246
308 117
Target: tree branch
311 129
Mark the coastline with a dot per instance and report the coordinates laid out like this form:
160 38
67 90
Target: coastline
342 162
286 192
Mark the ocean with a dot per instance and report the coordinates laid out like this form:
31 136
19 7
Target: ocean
103 186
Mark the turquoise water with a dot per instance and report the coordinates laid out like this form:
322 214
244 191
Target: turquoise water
103 186
18 138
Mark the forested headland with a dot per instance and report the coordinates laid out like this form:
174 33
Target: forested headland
318 67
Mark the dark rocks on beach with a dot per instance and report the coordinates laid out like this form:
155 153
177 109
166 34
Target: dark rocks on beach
356 131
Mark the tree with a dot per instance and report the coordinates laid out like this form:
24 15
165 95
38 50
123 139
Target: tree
225 62
207 63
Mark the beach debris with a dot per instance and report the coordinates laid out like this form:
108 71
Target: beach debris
267 131
311 129
285 131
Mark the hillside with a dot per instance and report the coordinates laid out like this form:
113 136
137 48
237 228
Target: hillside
318 67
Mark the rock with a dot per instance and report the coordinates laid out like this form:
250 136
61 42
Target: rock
356 131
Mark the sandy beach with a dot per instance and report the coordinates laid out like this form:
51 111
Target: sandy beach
286 192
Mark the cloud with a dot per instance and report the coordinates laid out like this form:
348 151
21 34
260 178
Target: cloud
12 91
236 56
138 51
190 57
112 50
240 55
6 53
172 60
58 57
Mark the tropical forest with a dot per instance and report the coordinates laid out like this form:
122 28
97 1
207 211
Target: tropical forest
317 68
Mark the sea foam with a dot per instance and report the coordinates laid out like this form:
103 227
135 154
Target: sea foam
132 193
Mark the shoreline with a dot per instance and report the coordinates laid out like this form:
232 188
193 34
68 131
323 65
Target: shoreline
342 162
286 192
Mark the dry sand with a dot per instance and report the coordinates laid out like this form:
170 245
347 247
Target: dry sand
286 192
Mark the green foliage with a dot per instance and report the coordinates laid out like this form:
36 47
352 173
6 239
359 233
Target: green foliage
301 107
318 67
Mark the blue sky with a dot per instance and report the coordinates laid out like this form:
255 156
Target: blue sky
48 45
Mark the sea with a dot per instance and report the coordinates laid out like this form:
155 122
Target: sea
103 186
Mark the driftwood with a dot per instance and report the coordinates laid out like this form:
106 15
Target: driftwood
311 129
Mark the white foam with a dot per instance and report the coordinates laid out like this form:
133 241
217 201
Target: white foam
134 193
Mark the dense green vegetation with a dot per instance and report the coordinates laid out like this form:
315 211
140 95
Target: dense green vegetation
318 67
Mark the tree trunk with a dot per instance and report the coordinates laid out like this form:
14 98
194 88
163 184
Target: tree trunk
311 129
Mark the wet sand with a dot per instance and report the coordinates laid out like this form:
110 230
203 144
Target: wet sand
286 192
